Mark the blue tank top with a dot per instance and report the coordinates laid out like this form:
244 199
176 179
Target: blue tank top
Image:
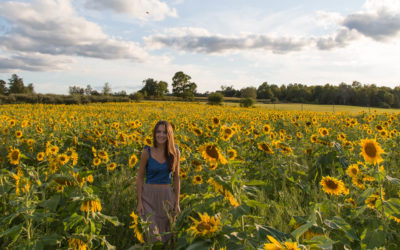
157 173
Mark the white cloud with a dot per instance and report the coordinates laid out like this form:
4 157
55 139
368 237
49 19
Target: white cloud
141 9
53 27
33 62
328 19
201 41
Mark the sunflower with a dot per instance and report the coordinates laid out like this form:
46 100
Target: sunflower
89 178
226 133
148 141
60 188
265 147
348 145
96 161
92 205
331 185
323 131
371 200
276 245
353 170
267 128
232 154
396 219
314 138
287 150
351 201
52 150
197 131
102 154
371 151
308 151
211 153
133 160
357 181
62 159
30 142
111 166
379 127
197 180
368 178
39 130
135 226
11 123
341 137
206 226
299 135
384 133
213 166
18 134
215 121
14 156
75 243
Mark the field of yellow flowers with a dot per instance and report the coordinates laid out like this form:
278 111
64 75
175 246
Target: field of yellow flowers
250 178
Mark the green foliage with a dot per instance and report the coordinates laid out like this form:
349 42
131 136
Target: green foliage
182 86
247 102
248 92
137 97
215 98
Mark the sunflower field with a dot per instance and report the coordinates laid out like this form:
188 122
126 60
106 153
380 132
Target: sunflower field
250 178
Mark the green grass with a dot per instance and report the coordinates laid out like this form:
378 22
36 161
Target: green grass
324 108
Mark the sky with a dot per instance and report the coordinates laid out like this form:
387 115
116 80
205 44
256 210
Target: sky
55 44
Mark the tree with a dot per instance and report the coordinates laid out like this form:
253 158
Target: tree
161 89
229 91
248 92
16 85
88 90
182 87
264 91
247 102
30 89
3 87
150 87
215 98
121 93
76 90
106 89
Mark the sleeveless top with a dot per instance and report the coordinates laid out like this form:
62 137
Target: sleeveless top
157 173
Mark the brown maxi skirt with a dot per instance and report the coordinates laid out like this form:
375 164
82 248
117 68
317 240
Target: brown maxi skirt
158 202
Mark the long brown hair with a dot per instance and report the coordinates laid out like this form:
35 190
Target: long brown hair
170 150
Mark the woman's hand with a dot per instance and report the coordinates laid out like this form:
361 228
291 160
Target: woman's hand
140 209
177 210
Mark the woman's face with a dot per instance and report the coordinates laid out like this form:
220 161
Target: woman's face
161 134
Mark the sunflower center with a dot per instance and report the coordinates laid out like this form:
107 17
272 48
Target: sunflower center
203 226
212 151
15 155
265 147
331 184
354 171
370 150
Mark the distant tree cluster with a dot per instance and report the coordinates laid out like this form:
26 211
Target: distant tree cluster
15 86
344 94
183 88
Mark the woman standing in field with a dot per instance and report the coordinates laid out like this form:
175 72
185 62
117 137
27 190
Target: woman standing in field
160 164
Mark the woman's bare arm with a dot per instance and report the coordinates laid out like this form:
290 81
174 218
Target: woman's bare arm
177 183
140 178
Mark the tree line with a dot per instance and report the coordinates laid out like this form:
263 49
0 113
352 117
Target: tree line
357 94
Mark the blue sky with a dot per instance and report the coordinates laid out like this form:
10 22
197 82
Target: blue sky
55 44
